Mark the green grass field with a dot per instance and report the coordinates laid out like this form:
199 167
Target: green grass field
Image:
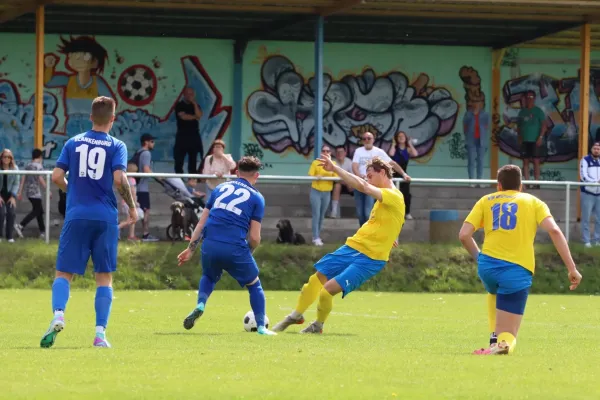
375 346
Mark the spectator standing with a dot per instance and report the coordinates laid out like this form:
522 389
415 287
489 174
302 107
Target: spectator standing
590 195
143 160
9 188
320 195
219 164
476 124
531 128
33 185
340 187
362 155
187 140
401 151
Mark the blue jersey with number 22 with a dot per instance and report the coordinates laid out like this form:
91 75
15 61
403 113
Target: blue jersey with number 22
233 205
91 158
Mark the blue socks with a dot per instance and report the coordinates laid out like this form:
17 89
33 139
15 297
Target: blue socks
257 302
60 294
104 296
205 289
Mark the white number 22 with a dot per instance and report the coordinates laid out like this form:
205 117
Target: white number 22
91 163
226 190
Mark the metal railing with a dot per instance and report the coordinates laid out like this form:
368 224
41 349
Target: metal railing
291 178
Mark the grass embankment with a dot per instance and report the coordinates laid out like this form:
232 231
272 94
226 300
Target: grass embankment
412 268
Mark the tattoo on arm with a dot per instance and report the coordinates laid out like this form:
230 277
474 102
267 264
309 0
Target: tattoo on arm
194 244
125 192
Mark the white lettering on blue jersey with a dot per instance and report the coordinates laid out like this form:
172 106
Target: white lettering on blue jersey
91 158
233 206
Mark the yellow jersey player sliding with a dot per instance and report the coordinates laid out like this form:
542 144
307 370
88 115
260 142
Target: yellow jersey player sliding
363 255
506 263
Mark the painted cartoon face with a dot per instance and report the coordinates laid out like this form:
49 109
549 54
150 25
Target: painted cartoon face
81 61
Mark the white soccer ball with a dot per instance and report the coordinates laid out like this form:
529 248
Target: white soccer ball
250 322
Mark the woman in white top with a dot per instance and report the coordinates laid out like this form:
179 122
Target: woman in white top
219 164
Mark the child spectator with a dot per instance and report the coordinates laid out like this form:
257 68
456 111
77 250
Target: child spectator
33 185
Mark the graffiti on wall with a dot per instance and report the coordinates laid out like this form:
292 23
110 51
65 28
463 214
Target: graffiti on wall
134 87
282 110
559 100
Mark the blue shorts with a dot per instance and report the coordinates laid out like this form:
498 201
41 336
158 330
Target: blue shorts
235 259
144 199
81 239
502 277
350 268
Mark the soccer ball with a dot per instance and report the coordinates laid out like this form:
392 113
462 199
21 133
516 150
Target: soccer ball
250 322
136 84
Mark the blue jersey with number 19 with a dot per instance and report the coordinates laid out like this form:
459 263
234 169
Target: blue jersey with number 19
233 205
510 220
91 158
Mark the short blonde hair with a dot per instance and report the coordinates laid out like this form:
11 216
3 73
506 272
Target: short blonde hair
103 110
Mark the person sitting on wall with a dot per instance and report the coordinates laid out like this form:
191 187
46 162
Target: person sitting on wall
340 187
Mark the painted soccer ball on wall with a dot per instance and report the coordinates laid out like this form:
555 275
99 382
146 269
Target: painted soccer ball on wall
137 85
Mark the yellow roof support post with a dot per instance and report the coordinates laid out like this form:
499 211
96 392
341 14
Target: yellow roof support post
584 101
39 78
497 56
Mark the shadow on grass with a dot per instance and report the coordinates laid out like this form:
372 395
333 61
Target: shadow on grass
49 349
194 333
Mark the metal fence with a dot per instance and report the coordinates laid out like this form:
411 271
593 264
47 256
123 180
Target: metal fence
293 179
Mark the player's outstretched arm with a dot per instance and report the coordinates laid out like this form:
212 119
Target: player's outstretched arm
560 242
351 180
466 238
58 177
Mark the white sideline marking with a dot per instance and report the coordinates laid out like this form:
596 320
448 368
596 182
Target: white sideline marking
348 314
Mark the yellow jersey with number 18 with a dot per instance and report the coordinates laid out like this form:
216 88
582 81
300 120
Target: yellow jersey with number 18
510 220
376 237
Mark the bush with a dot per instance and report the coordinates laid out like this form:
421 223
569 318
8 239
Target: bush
412 268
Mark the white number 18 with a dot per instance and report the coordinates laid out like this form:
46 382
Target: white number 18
95 160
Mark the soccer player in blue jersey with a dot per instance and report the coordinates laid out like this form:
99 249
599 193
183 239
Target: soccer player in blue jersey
234 211
95 161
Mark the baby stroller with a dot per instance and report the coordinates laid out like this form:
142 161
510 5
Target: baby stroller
185 210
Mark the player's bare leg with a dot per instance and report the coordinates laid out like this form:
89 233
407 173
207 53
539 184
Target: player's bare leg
309 293
103 303
60 296
330 289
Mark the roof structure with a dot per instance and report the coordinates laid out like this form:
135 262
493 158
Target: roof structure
496 24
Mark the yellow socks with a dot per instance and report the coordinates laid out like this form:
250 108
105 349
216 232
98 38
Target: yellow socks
509 339
491 306
309 294
325 306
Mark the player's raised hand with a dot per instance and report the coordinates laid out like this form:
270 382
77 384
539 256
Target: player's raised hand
575 279
326 163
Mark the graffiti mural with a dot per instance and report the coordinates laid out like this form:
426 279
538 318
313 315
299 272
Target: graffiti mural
282 110
140 89
559 100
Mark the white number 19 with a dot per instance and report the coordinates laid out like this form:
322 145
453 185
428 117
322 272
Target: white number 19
95 160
